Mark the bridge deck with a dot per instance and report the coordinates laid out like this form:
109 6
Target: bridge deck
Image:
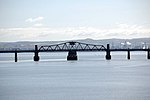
85 50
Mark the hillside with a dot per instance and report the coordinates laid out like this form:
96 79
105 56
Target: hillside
114 43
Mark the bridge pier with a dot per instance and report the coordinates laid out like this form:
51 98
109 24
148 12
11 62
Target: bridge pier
128 55
108 56
148 53
16 56
72 55
36 56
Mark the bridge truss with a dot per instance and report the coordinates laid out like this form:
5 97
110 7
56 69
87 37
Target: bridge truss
76 46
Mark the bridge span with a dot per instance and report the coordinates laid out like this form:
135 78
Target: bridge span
72 48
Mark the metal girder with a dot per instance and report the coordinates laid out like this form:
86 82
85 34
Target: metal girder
77 46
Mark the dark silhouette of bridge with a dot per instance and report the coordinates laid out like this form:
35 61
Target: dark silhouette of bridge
72 48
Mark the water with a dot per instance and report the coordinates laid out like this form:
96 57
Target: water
90 78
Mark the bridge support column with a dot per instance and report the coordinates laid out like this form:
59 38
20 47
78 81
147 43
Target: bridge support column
36 56
16 56
108 56
128 55
148 54
72 55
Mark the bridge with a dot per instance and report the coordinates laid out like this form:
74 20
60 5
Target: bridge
72 47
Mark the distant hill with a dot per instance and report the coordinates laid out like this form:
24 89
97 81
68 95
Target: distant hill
114 43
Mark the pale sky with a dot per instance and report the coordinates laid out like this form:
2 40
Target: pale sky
47 20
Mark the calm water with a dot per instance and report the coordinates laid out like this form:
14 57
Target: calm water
89 78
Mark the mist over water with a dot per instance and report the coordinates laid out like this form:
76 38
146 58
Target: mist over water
90 78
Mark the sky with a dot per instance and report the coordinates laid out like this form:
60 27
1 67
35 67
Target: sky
49 20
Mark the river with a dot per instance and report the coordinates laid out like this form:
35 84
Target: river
90 78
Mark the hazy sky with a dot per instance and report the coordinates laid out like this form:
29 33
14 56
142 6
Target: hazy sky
33 20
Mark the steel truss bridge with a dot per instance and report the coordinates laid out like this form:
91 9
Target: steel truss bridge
72 47
68 46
